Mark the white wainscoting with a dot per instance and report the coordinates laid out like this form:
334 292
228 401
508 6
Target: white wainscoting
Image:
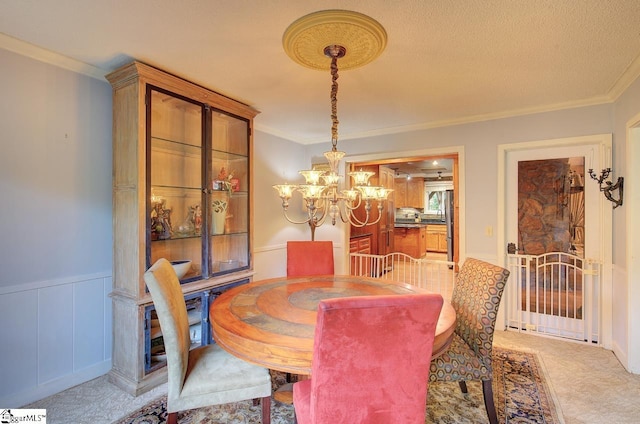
55 335
270 261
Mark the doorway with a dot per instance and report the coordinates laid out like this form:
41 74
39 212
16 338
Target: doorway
556 249
455 154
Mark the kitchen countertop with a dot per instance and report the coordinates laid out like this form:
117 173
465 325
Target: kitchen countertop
410 224
361 235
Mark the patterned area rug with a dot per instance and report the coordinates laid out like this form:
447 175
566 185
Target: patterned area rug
520 391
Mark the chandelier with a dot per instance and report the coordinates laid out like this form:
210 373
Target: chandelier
356 39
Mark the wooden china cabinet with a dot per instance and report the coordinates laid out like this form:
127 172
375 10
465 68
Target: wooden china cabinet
182 190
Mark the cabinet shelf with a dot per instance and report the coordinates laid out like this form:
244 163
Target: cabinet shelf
195 317
229 233
174 190
175 146
224 155
177 237
239 193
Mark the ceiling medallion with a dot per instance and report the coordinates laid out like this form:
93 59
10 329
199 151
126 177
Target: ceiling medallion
362 37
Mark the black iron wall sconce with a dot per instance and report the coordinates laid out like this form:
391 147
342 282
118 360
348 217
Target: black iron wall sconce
609 187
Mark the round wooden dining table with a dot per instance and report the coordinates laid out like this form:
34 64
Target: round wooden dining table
271 322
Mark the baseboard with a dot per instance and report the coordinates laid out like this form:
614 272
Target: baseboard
16 400
136 388
621 355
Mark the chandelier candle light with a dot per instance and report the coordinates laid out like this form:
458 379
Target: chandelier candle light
334 32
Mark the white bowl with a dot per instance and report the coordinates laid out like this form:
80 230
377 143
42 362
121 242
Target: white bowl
181 268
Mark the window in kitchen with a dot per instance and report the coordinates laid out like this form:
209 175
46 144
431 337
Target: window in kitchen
435 201
435 197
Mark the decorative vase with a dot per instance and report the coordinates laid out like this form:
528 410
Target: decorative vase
219 215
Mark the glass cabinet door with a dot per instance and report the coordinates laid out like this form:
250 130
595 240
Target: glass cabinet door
229 241
175 162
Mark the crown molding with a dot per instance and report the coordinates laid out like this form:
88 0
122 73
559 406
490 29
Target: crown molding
594 101
630 75
626 79
47 56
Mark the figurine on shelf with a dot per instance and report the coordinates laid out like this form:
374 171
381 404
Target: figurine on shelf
224 181
197 219
156 223
222 175
187 228
166 225
235 184
160 221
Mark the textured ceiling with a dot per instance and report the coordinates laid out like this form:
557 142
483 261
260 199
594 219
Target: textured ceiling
446 61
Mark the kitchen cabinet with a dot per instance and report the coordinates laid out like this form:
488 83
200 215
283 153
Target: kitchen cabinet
362 245
382 241
415 193
400 189
436 238
386 226
409 193
423 241
411 241
182 190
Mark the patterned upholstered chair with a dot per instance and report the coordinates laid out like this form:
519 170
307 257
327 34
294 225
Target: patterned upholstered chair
206 375
309 258
371 359
476 297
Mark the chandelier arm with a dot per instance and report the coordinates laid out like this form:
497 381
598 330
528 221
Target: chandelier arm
348 216
367 208
356 206
353 220
321 203
344 216
322 218
360 224
293 221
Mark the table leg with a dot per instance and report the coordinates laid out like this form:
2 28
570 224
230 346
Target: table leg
284 393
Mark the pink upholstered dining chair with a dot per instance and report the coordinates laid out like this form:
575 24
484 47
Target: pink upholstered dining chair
309 258
476 297
371 359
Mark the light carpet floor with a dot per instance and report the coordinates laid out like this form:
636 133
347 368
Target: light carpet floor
590 384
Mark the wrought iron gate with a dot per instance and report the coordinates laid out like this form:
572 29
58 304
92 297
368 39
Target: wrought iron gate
556 294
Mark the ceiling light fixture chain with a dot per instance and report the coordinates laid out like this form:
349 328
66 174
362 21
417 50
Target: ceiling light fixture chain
334 52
